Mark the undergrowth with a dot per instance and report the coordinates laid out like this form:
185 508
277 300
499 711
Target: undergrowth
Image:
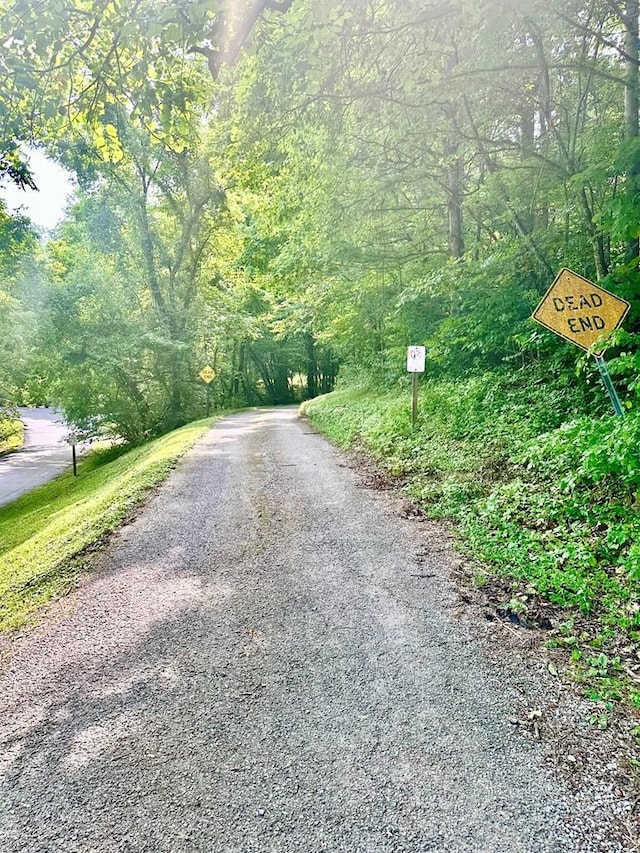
545 498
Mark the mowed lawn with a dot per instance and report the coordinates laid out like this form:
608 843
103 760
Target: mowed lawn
47 535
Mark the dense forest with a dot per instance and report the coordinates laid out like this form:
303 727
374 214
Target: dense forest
292 192
280 189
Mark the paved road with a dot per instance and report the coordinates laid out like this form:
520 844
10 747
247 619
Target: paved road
260 664
45 454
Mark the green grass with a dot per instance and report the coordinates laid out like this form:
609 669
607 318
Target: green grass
11 436
45 535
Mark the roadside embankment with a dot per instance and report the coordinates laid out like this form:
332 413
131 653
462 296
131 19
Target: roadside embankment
45 533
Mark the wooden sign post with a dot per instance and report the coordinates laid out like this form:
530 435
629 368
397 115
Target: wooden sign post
415 364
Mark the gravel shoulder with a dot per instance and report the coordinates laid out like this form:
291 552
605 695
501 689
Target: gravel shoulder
269 658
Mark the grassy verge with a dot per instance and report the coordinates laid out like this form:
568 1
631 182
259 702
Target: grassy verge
546 502
45 534
11 435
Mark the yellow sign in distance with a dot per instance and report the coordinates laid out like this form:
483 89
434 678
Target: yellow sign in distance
207 374
579 311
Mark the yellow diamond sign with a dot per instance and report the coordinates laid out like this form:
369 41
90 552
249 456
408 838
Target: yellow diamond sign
207 374
580 311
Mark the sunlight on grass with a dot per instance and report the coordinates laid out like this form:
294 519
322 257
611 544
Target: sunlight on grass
11 436
45 533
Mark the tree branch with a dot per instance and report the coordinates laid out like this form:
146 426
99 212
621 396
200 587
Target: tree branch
219 56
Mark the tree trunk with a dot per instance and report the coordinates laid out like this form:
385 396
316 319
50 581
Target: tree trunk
454 184
527 151
312 366
595 237
630 21
236 369
328 372
454 175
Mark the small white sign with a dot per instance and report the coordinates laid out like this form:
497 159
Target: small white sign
415 359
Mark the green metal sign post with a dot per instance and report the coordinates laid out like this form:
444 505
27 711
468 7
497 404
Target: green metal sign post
583 313
608 384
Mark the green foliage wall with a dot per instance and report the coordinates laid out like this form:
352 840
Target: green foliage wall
359 176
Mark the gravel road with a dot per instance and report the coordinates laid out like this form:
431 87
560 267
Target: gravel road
260 662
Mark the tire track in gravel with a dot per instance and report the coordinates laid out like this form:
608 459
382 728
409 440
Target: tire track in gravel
257 665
